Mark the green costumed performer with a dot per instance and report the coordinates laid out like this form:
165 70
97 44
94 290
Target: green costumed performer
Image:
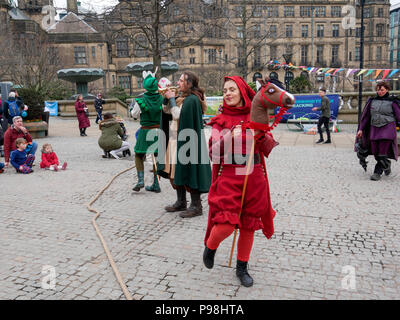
148 109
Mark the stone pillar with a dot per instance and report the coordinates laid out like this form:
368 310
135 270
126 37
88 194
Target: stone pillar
72 6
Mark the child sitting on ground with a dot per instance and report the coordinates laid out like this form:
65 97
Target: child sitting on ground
19 159
50 160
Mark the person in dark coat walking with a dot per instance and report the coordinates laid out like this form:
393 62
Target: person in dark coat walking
82 114
98 105
325 115
377 129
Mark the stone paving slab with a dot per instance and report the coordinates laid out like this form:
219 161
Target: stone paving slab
330 217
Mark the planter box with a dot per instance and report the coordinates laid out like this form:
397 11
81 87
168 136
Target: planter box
37 129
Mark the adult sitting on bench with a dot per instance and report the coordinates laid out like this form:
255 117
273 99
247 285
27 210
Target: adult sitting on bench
111 137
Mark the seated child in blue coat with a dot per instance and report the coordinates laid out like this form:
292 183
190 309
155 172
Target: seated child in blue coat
19 159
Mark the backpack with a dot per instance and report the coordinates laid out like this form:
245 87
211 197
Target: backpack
13 109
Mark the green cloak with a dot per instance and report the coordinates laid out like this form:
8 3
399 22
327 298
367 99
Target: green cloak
193 164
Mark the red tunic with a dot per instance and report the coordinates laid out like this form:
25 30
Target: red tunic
225 193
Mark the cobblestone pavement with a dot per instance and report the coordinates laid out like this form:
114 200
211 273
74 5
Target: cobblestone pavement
329 216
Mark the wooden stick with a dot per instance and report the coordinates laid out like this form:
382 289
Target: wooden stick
243 195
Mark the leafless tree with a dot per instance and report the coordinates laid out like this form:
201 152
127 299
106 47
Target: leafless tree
157 28
248 31
7 58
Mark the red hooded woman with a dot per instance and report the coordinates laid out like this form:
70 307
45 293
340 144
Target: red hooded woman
82 114
228 146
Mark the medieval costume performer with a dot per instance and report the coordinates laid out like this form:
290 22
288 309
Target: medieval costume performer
148 109
225 195
186 163
377 131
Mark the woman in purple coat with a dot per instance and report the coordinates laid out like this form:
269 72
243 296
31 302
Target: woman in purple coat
377 129
81 112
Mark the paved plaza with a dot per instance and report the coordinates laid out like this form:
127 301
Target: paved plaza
336 232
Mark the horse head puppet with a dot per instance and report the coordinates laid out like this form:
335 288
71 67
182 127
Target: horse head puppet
270 96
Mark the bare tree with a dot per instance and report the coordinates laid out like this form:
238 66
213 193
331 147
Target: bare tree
36 64
247 29
157 28
7 58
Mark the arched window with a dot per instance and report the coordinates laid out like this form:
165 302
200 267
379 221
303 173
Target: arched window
288 77
256 76
140 44
274 75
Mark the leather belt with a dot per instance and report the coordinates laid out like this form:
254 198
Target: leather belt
150 127
257 159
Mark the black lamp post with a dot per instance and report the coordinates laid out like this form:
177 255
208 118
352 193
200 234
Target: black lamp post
360 85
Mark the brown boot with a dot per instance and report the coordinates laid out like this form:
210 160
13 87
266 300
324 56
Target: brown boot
180 204
195 209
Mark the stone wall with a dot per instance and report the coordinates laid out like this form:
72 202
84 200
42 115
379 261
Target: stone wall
66 108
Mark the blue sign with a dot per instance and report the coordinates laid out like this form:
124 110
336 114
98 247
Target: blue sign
304 105
52 107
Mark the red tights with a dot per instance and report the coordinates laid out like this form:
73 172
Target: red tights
222 231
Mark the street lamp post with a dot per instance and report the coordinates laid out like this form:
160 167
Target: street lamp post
360 85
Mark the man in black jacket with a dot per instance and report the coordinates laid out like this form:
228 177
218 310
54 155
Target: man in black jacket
98 104
325 115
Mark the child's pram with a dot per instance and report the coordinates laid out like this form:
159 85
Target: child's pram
124 138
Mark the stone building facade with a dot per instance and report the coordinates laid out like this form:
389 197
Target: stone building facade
303 32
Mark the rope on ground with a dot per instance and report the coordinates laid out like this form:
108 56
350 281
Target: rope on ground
121 282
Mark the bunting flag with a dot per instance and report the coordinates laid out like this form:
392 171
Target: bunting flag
350 72
369 72
361 72
393 72
338 70
387 74
377 73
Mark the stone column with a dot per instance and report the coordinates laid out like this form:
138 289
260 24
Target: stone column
72 6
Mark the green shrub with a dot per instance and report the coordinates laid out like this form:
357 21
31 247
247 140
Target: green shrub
34 99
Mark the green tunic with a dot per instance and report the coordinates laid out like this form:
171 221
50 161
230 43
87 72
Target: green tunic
150 113
193 165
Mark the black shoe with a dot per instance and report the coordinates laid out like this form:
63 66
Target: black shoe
388 171
328 141
177 206
208 257
180 204
320 141
242 274
194 210
376 177
82 134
